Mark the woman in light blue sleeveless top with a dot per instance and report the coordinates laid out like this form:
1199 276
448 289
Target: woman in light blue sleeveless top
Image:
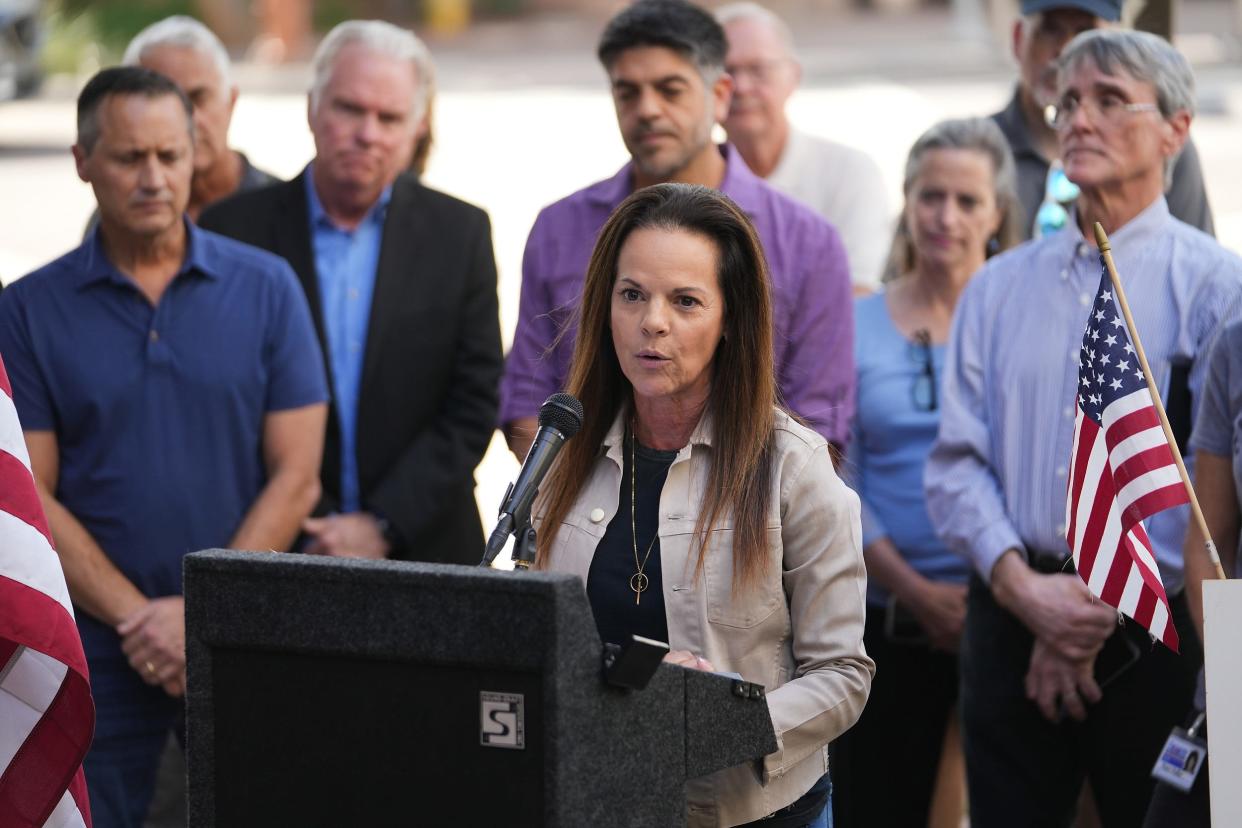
960 208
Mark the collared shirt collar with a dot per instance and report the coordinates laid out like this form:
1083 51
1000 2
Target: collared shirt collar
319 216
614 440
739 183
96 267
1147 224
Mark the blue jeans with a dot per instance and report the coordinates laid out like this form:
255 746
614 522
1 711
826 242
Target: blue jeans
824 820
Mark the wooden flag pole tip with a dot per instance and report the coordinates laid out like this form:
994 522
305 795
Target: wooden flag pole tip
1101 239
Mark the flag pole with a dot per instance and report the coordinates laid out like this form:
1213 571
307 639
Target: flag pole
1106 253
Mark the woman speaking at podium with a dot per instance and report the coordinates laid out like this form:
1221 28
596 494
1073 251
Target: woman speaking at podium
696 511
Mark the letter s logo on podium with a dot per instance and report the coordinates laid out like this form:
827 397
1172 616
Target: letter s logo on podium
502 720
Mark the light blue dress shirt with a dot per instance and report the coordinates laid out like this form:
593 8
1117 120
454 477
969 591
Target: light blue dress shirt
345 265
889 443
996 478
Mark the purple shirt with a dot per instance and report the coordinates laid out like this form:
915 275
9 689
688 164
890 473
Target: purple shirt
813 302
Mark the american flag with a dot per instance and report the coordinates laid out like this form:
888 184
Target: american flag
46 713
1122 472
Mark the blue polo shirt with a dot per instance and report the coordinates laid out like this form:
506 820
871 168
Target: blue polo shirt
158 410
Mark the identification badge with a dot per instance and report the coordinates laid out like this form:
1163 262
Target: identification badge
1181 758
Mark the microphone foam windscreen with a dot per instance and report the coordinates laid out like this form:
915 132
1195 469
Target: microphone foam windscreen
562 412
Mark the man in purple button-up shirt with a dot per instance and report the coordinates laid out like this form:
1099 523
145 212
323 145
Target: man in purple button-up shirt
665 62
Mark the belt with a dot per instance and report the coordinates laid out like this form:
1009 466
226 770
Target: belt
1049 563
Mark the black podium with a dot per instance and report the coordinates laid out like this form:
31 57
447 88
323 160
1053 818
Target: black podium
329 692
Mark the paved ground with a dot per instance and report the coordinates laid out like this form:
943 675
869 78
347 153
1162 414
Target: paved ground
523 118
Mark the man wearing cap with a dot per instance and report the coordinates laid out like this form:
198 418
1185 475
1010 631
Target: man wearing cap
1039 35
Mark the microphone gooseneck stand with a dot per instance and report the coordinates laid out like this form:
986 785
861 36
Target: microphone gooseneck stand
560 418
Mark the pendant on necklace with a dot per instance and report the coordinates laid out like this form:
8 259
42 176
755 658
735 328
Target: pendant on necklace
638 583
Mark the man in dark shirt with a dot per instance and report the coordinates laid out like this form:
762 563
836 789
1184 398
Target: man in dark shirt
401 281
1039 35
172 399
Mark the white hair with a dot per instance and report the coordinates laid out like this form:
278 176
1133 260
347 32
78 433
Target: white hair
185 32
753 11
383 38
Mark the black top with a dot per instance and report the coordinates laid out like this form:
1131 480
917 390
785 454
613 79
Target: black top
608 584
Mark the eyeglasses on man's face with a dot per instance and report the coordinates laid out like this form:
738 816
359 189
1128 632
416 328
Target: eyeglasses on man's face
1107 110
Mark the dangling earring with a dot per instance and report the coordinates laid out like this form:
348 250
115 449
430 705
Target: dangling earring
993 246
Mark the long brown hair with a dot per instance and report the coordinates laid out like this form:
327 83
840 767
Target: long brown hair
742 398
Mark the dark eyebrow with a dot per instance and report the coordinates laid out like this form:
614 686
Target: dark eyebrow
1103 87
664 81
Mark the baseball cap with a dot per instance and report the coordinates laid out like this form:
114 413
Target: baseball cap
1104 9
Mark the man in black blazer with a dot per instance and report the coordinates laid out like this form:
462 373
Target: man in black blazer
401 282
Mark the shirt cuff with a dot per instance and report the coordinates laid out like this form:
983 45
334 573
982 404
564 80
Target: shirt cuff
990 545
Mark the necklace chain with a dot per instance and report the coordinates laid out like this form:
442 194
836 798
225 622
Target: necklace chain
639 580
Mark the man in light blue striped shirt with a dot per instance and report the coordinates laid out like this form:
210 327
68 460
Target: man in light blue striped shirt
1052 688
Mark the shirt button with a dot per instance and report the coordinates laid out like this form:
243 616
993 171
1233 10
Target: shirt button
1084 299
597 515
1064 274
1083 249
1061 471
1061 529
155 336
1069 411
353 293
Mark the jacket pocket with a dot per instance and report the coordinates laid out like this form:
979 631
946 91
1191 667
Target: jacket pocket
750 605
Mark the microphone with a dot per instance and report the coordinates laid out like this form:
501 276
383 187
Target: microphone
560 418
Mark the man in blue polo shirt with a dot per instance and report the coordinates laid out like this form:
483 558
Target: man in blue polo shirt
173 398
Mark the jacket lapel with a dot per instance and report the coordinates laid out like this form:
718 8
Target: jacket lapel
400 266
292 241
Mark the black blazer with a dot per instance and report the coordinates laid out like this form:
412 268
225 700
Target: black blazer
431 368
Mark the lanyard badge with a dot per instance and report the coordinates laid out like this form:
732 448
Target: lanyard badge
1182 757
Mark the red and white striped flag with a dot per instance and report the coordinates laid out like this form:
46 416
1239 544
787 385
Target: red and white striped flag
1122 472
46 713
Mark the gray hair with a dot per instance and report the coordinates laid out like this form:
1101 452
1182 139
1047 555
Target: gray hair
182 31
980 135
1141 55
383 38
753 11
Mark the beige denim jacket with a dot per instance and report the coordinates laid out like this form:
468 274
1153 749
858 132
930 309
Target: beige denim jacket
799 633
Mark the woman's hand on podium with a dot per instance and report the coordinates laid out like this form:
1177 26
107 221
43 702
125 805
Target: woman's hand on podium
687 659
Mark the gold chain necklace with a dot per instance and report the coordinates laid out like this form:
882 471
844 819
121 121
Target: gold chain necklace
639 580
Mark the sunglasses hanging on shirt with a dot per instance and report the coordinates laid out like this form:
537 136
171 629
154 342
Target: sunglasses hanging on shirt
1059 192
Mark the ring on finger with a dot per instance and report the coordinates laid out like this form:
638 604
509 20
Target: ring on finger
150 668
